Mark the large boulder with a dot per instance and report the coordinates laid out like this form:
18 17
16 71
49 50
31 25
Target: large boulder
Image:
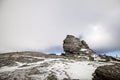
71 44
107 72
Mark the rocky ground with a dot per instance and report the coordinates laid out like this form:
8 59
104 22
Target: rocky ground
78 62
41 68
50 67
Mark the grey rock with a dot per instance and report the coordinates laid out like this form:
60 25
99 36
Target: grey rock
18 75
51 77
70 79
71 44
84 44
107 72
34 71
4 76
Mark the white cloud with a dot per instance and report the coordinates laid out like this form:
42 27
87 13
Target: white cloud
40 24
98 37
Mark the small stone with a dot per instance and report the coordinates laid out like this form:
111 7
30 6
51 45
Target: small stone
51 77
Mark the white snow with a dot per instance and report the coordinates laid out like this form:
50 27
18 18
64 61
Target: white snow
80 70
83 49
62 68
6 68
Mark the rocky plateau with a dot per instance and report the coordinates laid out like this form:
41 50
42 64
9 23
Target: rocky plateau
78 62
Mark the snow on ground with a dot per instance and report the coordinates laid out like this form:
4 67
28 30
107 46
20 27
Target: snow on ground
62 68
83 49
75 70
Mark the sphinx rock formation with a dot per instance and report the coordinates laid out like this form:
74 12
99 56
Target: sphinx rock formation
75 46
72 44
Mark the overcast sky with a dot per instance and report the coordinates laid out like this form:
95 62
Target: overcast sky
41 25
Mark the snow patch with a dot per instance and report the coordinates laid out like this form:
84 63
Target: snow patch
83 49
62 68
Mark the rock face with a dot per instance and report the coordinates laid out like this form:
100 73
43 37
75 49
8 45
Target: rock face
108 72
73 45
51 77
84 44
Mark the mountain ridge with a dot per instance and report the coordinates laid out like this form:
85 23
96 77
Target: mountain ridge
78 62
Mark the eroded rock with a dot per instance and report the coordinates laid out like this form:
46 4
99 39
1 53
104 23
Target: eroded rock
84 44
71 44
51 77
108 72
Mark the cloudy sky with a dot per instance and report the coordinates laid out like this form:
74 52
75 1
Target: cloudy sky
41 25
